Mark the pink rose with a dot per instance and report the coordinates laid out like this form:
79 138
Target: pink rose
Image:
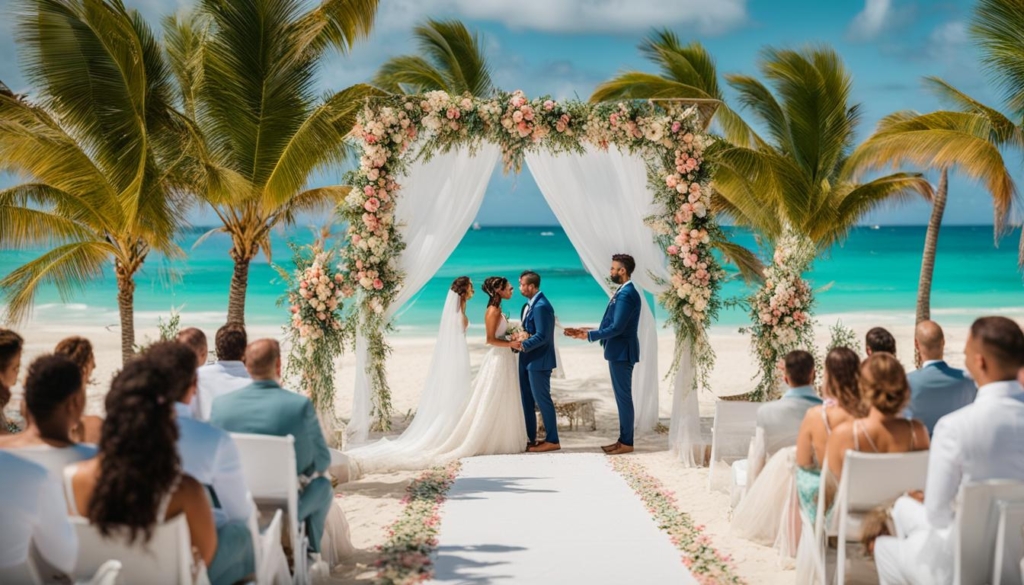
359 264
676 126
671 181
673 250
517 117
356 238
368 190
688 138
295 309
302 284
549 105
372 205
378 284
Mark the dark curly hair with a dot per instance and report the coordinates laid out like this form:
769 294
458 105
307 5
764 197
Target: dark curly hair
177 358
230 342
842 369
50 381
140 462
10 346
879 339
627 262
460 286
78 350
883 384
492 288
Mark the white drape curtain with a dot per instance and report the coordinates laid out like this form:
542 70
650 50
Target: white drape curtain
601 198
440 199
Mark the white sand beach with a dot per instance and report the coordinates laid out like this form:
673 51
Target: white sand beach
373 502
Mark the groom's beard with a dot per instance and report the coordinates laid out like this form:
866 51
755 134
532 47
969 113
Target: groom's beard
617 279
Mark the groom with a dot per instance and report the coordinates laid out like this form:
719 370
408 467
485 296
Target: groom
618 335
536 362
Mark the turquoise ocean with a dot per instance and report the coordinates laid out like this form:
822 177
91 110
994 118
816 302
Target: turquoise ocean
873 275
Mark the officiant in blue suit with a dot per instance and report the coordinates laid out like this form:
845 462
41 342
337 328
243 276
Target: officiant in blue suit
618 335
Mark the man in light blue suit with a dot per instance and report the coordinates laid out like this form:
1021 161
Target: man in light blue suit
618 335
265 408
536 362
936 389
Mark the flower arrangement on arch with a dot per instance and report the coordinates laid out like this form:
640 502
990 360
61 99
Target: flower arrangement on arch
781 312
316 328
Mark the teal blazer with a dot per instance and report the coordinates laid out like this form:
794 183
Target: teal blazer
265 408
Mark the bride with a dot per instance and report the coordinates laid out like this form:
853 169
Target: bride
455 418
442 401
493 422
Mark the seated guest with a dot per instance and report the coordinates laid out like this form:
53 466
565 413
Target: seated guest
884 392
55 399
936 389
196 340
10 362
879 339
79 350
842 403
757 518
34 518
225 375
265 408
781 418
981 441
209 455
135 482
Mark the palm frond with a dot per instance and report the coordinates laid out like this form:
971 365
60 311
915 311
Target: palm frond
34 214
66 267
998 27
451 60
1004 131
756 97
851 201
333 23
409 74
185 40
749 265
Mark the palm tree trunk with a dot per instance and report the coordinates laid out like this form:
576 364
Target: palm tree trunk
126 308
239 284
931 242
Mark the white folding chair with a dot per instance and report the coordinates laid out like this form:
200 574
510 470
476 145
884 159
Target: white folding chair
870 480
1009 543
976 527
165 560
733 427
268 463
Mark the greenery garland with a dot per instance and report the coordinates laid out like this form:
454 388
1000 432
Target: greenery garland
393 131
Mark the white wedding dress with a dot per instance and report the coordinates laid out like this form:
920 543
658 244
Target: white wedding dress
493 422
454 418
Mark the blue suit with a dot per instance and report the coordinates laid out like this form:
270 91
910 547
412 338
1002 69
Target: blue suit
535 364
618 335
937 390
265 408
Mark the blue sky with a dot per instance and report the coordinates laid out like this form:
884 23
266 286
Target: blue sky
564 48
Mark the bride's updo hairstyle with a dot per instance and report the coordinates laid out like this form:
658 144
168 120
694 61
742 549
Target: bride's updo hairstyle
883 384
460 286
492 288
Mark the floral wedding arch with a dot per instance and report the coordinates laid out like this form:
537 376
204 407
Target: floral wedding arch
395 131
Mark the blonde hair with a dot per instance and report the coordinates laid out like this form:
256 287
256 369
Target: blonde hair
883 383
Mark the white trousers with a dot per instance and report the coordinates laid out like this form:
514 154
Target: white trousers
918 554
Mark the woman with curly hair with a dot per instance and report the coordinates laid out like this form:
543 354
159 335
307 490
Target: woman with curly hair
10 362
136 482
463 287
79 350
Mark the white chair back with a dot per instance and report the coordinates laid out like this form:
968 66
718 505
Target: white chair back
24 573
733 428
977 524
165 560
107 574
870 480
1009 544
268 463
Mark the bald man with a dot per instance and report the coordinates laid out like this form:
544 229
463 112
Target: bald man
265 408
936 389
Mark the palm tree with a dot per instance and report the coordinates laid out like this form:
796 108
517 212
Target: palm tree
453 62
795 178
247 74
100 152
969 138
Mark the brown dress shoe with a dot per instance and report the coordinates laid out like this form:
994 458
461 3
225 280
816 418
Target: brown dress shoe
622 450
544 447
612 447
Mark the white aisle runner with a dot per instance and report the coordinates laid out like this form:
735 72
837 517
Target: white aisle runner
556 518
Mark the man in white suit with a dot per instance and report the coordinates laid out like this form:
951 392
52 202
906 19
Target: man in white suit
981 441
781 418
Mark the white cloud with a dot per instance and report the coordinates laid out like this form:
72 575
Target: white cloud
575 16
871 21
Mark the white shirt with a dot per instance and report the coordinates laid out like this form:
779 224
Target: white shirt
529 305
927 363
217 379
33 514
983 440
209 454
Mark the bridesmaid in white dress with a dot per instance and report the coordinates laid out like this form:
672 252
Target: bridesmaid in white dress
493 421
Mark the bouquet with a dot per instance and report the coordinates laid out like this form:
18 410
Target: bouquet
515 332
